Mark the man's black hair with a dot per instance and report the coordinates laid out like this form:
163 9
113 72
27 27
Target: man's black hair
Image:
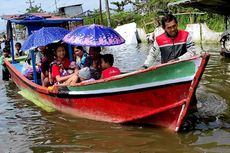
108 58
168 18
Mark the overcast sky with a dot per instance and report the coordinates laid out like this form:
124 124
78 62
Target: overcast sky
19 6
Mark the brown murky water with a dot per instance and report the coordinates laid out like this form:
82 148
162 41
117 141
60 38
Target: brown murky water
26 128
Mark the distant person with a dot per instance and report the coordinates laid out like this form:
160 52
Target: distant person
18 51
5 72
172 45
6 42
107 61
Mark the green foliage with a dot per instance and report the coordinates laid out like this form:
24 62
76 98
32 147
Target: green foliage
125 17
183 21
147 15
214 21
94 17
20 27
34 9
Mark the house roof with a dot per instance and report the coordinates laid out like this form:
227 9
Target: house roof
215 6
46 16
37 18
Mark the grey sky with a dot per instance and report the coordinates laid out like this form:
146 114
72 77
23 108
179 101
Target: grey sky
19 6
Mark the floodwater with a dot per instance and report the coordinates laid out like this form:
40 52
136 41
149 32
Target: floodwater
26 128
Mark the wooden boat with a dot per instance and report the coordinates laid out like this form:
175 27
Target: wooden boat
158 95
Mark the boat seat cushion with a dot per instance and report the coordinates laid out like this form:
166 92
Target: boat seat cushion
18 66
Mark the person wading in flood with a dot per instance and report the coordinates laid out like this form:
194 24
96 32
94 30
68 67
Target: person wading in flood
172 45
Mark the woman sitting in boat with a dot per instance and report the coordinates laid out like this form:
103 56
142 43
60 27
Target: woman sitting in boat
43 59
95 67
107 61
59 67
82 58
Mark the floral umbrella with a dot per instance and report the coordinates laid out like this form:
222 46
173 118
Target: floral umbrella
44 36
94 35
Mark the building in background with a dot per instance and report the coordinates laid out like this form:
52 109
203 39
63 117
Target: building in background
75 10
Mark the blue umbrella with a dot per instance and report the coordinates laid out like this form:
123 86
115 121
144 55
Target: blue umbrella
94 35
28 44
44 36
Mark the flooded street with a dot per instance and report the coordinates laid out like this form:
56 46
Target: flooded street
26 128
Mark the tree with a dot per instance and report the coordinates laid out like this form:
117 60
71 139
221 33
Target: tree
34 9
120 5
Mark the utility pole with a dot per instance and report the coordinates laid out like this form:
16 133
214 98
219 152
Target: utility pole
55 1
30 2
100 9
107 13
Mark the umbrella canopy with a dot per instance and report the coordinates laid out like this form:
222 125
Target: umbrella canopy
94 35
44 36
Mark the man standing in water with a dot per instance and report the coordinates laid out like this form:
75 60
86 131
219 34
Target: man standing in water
172 45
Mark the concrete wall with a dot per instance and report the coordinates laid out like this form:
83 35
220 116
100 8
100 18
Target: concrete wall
128 32
207 35
199 32
202 32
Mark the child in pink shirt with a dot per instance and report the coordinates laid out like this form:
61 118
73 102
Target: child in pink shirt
107 66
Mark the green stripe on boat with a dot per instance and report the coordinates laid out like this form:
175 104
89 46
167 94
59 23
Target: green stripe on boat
36 100
175 73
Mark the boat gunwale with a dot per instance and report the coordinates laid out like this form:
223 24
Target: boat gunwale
54 89
121 76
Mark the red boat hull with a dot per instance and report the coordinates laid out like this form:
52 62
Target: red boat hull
148 106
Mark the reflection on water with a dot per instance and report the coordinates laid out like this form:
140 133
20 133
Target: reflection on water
27 128
129 57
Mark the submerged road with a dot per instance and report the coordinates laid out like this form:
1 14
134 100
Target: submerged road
25 128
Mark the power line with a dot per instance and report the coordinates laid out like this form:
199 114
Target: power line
56 5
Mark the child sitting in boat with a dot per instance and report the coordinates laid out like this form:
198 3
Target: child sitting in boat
83 75
18 51
107 66
58 68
